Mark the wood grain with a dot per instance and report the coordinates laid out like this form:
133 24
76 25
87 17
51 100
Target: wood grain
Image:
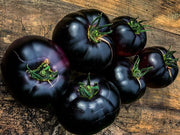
157 112
162 14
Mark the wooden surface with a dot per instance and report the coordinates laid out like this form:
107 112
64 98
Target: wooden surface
157 112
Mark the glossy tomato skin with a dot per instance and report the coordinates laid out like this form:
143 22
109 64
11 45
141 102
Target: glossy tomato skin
32 51
130 87
127 42
161 75
71 33
80 115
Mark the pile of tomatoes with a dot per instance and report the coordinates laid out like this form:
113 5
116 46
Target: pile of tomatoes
91 66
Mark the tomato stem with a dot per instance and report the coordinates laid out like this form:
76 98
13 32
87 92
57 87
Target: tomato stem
168 58
88 90
94 33
138 73
137 26
43 72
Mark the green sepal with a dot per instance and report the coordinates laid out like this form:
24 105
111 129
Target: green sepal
94 33
168 58
137 26
43 72
138 73
88 90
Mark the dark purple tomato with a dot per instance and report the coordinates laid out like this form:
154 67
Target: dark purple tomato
128 78
164 65
88 106
35 70
83 35
128 35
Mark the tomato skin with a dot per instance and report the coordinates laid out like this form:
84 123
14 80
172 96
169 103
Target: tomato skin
32 51
126 41
71 34
161 75
80 115
130 87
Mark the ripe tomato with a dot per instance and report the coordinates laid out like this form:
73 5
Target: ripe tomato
164 65
35 70
128 78
83 37
129 35
88 106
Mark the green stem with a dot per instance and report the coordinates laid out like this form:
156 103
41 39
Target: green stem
138 73
168 58
43 72
88 90
137 26
94 33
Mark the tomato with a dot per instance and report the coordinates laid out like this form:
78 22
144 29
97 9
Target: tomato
129 35
164 65
88 106
128 78
35 70
83 35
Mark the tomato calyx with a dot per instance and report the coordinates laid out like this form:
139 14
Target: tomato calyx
88 90
168 58
137 27
138 73
94 33
43 72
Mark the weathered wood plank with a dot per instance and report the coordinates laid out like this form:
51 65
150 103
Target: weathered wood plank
162 14
157 112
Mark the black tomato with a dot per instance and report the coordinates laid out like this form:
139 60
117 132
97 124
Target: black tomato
164 65
88 106
129 35
35 70
128 79
83 37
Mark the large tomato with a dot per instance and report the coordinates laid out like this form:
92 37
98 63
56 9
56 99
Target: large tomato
35 70
83 35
